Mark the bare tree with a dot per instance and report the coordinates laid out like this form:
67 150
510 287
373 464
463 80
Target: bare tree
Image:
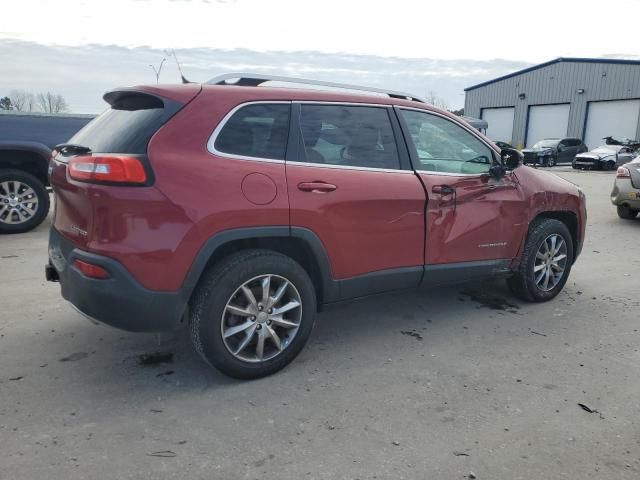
437 101
157 71
22 100
51 103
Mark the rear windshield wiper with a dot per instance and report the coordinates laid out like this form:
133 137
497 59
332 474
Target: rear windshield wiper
72 148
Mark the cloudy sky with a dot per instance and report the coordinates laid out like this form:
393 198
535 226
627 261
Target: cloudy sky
82 48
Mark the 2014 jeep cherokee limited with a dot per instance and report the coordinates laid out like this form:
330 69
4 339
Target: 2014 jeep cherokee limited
239 210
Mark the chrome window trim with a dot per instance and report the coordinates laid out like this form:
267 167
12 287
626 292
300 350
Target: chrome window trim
348 167
214 136
450 174
464 127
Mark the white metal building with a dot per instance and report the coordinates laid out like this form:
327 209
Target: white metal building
587 98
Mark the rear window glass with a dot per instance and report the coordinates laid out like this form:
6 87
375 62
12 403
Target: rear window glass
258 131
126 127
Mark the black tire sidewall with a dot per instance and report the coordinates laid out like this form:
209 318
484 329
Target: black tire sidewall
40 191
548 227
221 283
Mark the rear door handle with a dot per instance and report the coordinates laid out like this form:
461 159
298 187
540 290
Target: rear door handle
316 187
443 189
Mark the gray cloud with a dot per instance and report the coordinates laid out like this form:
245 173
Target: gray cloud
83 74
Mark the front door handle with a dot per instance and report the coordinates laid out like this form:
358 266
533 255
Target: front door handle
443 189
316 187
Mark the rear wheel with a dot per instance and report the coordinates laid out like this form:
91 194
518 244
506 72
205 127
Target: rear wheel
252 313
626 212
24 201
546 262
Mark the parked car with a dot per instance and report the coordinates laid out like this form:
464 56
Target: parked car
503 145
552 151
626 190
239 211
26 140
605 157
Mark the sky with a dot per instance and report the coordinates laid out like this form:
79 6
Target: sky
83 48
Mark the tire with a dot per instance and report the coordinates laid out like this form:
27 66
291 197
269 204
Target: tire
626 212
35 203
523 283
221 287
611 165
548 161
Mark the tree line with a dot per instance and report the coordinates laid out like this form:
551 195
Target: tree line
23 101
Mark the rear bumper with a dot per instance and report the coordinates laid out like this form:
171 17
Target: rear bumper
624 193
119 301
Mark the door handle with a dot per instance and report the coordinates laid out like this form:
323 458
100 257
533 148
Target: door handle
316 187
443 189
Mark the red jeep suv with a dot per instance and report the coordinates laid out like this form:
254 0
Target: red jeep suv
240 209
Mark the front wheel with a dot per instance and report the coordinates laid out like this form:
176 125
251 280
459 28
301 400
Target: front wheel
24 201
626 212
252 313
546 262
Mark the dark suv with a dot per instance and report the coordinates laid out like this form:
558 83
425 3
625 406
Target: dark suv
240 210
552 151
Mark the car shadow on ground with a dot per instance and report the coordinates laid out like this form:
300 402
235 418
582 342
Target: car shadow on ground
139 367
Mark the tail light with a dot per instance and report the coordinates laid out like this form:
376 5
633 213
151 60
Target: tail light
112 169
90 270
623 172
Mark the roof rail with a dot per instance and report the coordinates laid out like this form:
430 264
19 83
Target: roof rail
256 79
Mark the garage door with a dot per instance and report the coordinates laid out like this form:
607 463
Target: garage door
500 122
618 119
547 121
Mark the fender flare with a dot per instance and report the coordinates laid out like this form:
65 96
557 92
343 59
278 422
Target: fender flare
38 148
330 288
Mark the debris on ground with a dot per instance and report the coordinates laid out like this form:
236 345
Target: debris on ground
588 409
396 443
163 454
472 475
155 358
412 333
538 333
16 379
74 357
165 374
461 454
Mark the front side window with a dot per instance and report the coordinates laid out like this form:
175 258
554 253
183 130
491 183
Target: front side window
443 146
348 136
257 131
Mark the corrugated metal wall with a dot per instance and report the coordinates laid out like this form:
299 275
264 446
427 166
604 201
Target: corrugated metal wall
557 83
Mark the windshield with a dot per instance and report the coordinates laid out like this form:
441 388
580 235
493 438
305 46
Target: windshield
546 144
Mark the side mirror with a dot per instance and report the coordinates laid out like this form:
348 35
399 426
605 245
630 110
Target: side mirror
511 158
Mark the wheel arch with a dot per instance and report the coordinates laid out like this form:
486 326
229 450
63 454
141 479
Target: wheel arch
570 219
300 244
30 157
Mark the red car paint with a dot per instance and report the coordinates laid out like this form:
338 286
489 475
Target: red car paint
371 221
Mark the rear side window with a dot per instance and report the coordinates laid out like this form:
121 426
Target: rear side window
258 131
127 126
349 136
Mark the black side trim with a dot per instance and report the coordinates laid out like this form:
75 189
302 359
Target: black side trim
208 249
379 282
448 273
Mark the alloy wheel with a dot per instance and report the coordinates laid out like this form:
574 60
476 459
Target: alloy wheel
18 202
261 318
550 262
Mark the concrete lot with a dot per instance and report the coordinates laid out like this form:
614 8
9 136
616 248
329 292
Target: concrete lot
431 385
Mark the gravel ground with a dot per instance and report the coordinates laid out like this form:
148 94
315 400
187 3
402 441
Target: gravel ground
447 384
